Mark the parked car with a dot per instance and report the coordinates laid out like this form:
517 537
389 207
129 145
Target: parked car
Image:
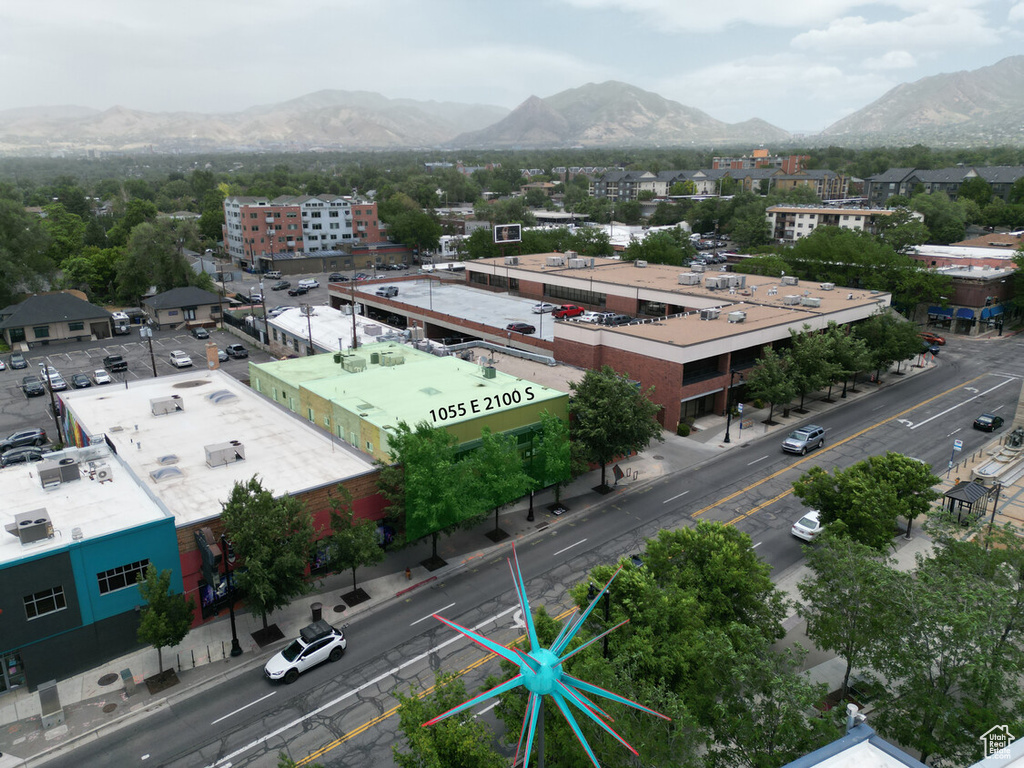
18 361
101 377
808 527
236 351
275 311
520 328
3 365
567 311
280 285
363 276
180 360
387 292
34 436
804 439
115 363
32 386
927 348
200 333
988 422
298 290
222 356
80 381
614 319
309 283
57 383
256 298
594 317
21 455
336 277
933 338
316 643
540 309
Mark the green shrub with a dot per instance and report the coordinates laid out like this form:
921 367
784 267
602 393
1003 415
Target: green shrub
683 430
758 404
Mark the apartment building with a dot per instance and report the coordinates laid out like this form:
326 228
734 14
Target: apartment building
791 222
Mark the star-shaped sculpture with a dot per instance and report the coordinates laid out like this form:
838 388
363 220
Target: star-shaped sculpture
541 673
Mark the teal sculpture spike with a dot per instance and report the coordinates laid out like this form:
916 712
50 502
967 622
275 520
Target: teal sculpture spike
541 674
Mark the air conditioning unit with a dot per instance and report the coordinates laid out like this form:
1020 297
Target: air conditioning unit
388 359
736 317
161 406
828 286
790 280
571 254
735 281
791 299
222 454
511 261
689 278
555 261
811 301
714 283
697 267
711 313
353 364
49 473
31 526
640 263
103 474
577 263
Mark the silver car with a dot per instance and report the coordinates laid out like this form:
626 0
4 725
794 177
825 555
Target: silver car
804 439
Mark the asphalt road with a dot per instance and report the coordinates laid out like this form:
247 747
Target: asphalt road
342 714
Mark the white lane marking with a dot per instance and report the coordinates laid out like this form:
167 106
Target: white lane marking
517 620
958 429
225 762
677 496
569 547
485 710
757 460
230 714
429 615
757 545
905 422
965 402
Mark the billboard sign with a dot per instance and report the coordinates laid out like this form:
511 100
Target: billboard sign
508 233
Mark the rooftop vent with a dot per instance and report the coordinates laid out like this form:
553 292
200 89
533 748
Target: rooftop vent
511 261
571 254
689 278
161 406
736 317
577 263
791 299
827 286
221 454
811 301
790 280
31 526
556 261
640 263
165 473
711 313
697 267
221 396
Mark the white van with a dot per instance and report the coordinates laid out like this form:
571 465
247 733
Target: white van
309 283
273 274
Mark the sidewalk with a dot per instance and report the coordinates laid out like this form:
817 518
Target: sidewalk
96 702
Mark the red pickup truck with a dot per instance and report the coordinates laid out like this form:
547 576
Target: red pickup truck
567 310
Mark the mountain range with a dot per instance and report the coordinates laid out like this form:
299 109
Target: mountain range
984 106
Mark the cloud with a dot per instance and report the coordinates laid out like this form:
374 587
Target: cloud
1016 13
891 60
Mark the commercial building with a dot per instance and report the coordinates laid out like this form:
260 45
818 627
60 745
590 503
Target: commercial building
361 395
256 229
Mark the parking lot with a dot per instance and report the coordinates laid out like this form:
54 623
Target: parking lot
18 411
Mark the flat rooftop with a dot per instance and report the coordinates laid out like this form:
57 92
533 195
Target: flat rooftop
331 329
96 504
168 452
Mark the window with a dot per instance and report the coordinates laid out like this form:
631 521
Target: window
315 215
333 214
41 331
327 422
48 601
121 577
76 326
310 415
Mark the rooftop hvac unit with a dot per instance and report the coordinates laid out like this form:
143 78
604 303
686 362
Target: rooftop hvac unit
49 473
714 283
735 281
571 254
164 405
388 359
577 263
490 372
640 263
372 330
353 364
222 454
790 280
736 317
511 261
697 267
556 261
102 473
711 313
31 526
828 286
375 358
791 299
811 301
689 278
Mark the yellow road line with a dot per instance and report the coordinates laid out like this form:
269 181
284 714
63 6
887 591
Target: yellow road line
782 471
425 692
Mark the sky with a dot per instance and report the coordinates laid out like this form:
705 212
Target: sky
798 64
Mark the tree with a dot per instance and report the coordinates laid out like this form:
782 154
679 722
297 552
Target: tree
810 367
975 189
611 416
888 339
946 221
901 230
273 539
460 740
552 454
498 472
683 188
665 247
166 617
848 353
769 380
136 212
66 233
840 599
24 263
437 489
353 541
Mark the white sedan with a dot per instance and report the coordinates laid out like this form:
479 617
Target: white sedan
808 527
101 377
540 309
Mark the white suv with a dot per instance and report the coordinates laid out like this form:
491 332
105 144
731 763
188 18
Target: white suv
180 360
316 643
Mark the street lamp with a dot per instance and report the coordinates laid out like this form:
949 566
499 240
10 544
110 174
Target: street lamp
236 649
53 401
591 594
728 401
